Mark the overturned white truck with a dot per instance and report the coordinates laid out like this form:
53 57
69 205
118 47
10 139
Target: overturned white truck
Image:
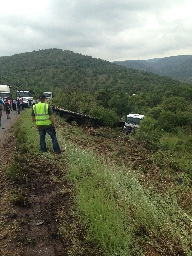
132 123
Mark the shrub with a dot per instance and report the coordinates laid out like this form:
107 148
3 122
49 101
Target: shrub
148 133
107 117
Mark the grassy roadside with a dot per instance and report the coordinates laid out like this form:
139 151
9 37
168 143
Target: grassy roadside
121 216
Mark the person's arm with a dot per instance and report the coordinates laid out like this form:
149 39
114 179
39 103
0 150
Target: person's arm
51 116
52 120
33 115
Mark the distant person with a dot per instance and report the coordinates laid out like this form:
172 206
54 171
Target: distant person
18 109
30 103
10 103
7 108
1 108
14 103
1 102
4 100
22 103
42 114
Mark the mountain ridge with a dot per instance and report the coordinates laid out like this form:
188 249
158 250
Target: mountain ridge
176 67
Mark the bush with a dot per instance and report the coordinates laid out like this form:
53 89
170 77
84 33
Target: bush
148 133
169 121
107 117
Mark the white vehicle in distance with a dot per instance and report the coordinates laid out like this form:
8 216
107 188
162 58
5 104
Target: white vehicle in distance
27 98
48 95
5 91
132 123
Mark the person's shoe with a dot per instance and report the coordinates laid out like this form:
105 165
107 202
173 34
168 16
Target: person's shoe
59 152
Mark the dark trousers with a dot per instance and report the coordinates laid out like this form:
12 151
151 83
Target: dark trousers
51 131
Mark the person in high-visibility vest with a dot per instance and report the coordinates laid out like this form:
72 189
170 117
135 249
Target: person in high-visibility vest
42 114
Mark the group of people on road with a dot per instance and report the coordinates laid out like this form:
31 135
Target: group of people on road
7 105
18 105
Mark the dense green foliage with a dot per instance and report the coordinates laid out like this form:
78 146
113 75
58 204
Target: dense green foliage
175 67
85 84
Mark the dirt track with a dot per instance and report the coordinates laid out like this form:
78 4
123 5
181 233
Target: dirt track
36 211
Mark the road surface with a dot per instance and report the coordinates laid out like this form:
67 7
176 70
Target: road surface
7 123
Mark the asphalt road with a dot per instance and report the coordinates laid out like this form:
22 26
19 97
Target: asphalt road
7 123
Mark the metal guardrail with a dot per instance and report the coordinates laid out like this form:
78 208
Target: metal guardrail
80 119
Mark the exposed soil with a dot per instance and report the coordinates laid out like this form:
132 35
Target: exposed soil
31 202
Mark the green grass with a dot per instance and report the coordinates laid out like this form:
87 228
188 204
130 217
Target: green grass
175 152
119 213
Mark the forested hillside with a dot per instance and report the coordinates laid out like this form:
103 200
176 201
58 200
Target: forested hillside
81 82
175 67
48 69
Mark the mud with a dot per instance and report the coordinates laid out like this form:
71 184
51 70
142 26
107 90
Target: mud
37 211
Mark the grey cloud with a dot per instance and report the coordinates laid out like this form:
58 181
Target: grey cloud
110 29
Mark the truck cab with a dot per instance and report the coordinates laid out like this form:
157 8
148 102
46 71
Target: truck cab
27 98
48 95
132 123
5 91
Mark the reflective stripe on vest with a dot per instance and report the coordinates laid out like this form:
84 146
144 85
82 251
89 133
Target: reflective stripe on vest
41 114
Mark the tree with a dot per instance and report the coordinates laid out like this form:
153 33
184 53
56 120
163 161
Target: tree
107 117
149 133
175 104
119 103
103 96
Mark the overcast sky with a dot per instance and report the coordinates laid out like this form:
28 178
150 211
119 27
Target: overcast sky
106 29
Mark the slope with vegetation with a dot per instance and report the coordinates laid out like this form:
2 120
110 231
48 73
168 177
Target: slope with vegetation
175 67
107 194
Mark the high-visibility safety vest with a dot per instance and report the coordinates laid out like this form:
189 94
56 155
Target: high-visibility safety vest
41 114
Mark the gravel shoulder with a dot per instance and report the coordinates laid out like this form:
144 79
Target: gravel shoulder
6 124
